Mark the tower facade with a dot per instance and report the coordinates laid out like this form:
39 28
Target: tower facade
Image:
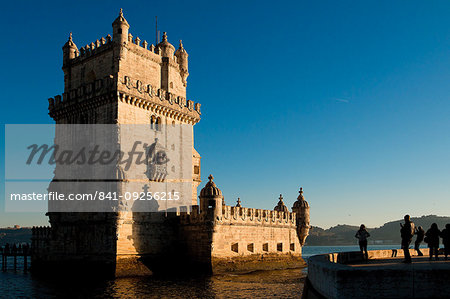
125 80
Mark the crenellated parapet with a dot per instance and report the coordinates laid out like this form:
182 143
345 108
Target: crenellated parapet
94 48
41 232
235 215
87 95
193 217
239 216
147 91
145 47
40 239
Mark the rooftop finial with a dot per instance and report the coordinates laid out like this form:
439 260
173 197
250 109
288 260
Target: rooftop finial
121 12
300 196
70 36
181 44
164 36
211 178
281 197
238 202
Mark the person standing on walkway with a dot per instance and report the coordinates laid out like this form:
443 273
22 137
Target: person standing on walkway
407 233
362 234
420 233
445 234
432 238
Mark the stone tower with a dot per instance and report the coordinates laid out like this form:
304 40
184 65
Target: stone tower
121 80
125 81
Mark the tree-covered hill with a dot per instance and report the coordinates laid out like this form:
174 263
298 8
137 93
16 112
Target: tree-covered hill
388 233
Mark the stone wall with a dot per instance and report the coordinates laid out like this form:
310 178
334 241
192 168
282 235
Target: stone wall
331 276
242 239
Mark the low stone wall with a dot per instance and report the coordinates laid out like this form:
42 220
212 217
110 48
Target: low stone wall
331 276
256 262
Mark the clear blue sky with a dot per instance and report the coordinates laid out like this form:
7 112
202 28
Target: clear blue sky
349 99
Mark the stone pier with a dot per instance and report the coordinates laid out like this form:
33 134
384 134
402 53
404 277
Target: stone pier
347 275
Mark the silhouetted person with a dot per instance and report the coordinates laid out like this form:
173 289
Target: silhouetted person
407 233
362 234
420 233
25 248
445 234
432 238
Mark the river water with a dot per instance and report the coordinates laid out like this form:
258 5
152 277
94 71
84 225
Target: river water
259 284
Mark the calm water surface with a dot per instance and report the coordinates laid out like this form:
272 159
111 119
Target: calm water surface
260 284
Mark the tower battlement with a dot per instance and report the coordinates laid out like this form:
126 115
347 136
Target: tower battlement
122 55
104 43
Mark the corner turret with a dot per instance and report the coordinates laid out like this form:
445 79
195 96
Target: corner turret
120 29
167 49
182 59
281 207
301 208
211 198
70 50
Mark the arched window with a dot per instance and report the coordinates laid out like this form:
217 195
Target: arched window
90 77
153 122
158 124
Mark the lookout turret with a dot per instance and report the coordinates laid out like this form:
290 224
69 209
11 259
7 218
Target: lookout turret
211 198
281 207
70 50
182 58
120 28
167 49
301 208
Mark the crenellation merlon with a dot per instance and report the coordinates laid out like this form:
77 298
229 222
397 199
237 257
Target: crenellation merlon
92 49
152 51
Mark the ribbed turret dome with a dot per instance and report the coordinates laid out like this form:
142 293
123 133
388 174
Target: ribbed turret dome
165 43
301 202
181 51
210 190
281 207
